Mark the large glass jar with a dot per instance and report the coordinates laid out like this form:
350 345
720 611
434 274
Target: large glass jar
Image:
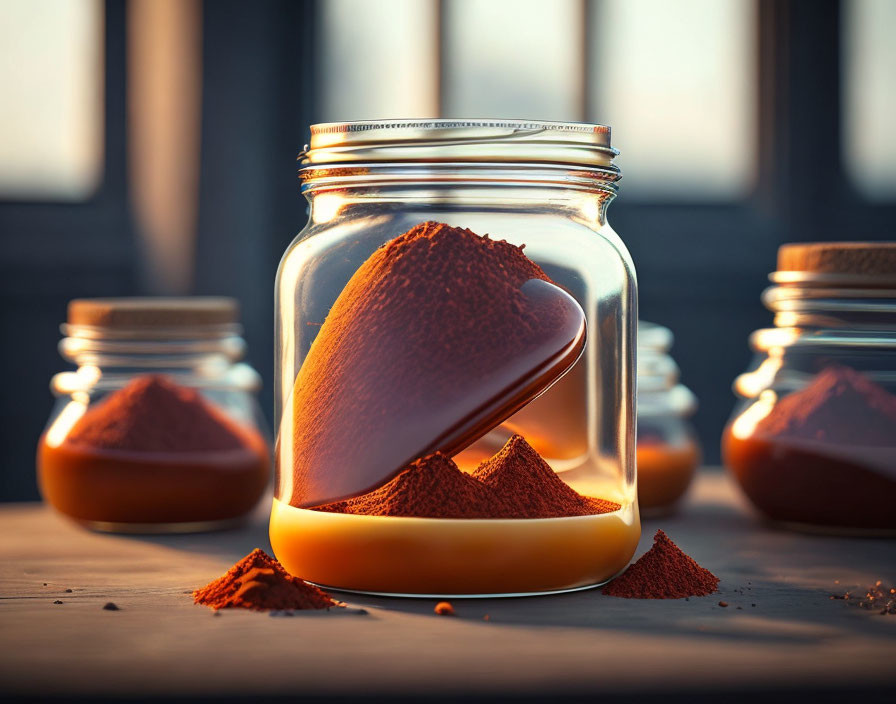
545 186
158 430
668 451
813 440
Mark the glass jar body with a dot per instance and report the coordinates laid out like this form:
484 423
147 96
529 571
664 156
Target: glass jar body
812 442
583 425
154 434
668 450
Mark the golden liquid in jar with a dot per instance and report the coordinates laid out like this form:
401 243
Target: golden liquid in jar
444 556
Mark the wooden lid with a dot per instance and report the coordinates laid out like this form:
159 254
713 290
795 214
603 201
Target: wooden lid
853 258
153 312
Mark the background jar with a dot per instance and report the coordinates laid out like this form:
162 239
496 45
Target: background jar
813 440
141 477
668 450
543 185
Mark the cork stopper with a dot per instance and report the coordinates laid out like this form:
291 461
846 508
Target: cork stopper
153 312
864 259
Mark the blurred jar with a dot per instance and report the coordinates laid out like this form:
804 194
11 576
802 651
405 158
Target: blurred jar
668 451
813 442
159 429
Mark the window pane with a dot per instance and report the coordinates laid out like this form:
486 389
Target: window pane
676 81
870 97
513 59
380 59
51 80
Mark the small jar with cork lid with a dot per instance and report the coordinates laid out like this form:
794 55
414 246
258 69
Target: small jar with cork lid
158 430
813 440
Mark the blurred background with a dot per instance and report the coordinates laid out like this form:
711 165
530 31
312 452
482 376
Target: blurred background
148 147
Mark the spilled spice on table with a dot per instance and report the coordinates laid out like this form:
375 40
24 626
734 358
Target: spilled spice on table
260 583
444 608
663 572
878 597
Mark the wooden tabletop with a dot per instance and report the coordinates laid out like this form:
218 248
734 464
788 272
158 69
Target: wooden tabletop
780 629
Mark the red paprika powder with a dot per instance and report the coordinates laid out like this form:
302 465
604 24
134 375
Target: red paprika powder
515 483
663 572
154 452
823 455
431 487
260 583
532 488
438 337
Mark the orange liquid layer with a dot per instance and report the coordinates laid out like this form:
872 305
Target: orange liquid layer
665 472
443 557
122 487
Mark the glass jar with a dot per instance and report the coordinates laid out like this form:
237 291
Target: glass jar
813 440
542 185
668 451
158 430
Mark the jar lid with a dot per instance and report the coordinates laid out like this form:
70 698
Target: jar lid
153 312
448 140
837 262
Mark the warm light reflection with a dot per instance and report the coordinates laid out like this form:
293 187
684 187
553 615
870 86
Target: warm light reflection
326 207
769 338
745 424
66 420
284 457
71 382
591 209
751 384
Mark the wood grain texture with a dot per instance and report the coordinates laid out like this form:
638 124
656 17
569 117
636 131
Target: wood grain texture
160 644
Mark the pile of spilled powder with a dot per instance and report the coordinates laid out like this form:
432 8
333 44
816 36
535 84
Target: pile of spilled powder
663 572
515 483
259 582
433 332
153 414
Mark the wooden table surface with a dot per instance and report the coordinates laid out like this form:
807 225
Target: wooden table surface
780 630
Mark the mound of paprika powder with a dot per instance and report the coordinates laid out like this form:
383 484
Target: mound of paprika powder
260 583
154 452
663 572
439 336
515 483
823 455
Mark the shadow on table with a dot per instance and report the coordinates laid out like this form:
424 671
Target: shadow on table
776 570
232 544
769 580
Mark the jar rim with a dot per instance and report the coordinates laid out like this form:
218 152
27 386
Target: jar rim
460 141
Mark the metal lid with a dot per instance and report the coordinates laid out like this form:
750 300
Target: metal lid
445 140
155 312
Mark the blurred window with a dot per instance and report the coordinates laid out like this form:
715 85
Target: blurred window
380 59
870 97
513 59
51 83
676 81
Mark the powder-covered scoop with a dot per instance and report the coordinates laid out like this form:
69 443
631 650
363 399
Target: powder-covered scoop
438 337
